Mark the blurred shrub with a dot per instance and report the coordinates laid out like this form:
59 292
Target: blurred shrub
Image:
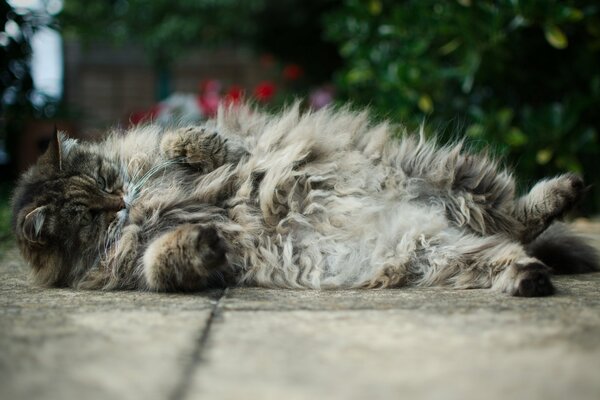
166 29
521 75
19 99
163 28
287 32
15 48
5 228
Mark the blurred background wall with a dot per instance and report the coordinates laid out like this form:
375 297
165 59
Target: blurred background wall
518 77
107 85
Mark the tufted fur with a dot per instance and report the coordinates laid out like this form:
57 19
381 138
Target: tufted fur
299 200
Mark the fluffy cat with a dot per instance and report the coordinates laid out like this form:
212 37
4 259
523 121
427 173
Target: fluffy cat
300 200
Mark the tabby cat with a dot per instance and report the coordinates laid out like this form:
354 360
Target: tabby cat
318 200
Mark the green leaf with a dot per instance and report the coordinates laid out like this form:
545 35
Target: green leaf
572 14
556 37
449 47
504 117
515 137
570 163
358 75
425 103
475 131
543 156
375 7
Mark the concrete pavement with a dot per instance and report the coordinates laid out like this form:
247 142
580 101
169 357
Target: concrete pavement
248 343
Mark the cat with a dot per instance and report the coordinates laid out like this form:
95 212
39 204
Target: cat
321 199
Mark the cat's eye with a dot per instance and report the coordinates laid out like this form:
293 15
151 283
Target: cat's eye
101 182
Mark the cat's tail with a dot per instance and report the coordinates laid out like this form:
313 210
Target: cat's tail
564 251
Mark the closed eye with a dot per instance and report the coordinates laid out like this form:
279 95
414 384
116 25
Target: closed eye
101 182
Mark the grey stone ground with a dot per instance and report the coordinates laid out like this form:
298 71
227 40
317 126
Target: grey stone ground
283 344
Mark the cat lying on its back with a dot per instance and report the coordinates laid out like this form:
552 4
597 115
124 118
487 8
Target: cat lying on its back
315 200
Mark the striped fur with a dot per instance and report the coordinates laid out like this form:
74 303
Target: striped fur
308 200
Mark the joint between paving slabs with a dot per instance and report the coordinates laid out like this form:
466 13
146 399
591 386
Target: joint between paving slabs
196 358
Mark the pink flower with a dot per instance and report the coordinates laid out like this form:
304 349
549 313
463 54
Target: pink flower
210 96
209 103
210 86
322 96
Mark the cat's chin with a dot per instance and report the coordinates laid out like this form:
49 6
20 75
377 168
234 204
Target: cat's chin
117 223
127 196
122 215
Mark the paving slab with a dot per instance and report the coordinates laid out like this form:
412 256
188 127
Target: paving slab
574 290
66 344
404 344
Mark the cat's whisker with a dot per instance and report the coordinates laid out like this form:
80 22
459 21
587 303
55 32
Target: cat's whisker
138 184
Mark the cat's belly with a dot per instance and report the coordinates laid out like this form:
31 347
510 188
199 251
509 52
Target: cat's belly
347 245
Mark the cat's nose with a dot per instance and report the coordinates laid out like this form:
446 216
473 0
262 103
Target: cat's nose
116 203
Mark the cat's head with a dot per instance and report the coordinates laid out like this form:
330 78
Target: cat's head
62 209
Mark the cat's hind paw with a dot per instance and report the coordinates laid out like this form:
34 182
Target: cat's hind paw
527 277
548 200
533 280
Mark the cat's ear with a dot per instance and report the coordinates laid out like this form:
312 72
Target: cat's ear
53 155
33 225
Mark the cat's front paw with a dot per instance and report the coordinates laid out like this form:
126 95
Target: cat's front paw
190 257
201 149
209 248
175 144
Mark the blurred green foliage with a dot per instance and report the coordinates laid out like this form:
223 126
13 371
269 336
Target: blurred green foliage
520 75
289 30
166 29
6 235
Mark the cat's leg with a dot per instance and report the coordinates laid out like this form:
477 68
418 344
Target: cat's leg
468 261
514 271
483 198
476 193
481 195
202 149
547 200
189 257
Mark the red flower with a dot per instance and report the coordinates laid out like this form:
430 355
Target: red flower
264 91
292 72
234 95
142 117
